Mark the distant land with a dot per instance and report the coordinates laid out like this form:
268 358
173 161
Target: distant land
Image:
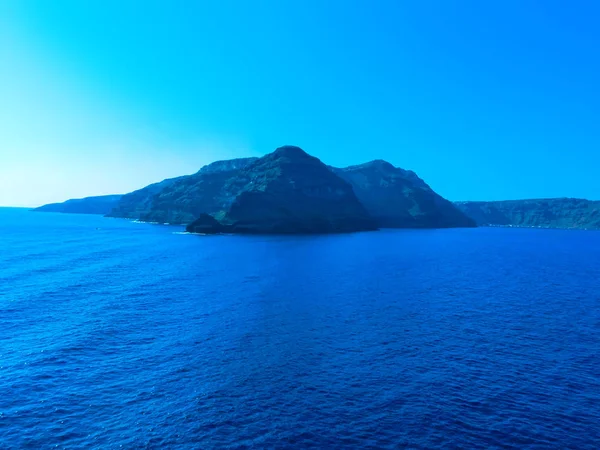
544 213
103 204
289 191
286 191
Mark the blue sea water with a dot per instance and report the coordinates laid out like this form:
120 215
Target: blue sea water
116 334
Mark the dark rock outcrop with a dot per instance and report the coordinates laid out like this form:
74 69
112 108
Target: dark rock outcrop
289 191
89 205
398 198
543 213
205 224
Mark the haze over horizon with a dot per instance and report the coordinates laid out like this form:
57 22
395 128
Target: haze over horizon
484 101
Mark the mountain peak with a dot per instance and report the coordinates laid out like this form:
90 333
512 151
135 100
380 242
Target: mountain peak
290 191
380 164
291 151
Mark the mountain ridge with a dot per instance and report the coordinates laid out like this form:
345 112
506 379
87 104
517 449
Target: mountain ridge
393 196
398 198
98 204
562 212
290 191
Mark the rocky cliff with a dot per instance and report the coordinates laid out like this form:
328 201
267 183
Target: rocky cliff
545 213
138 203
289 191
181 200
204 192
398 198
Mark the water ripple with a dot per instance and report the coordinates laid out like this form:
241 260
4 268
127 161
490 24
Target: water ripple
142 337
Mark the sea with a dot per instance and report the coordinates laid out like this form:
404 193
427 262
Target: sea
115 334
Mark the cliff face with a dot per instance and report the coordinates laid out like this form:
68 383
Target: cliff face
204 192
138 203
89 205
289 191
181 200
398 198
545 213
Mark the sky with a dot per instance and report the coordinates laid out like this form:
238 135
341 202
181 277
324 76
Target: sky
484 100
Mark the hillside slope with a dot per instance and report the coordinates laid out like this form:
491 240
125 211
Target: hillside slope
545 213
398 198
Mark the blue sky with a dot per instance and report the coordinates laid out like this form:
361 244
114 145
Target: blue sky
484 100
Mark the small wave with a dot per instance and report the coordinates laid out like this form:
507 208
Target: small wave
143 221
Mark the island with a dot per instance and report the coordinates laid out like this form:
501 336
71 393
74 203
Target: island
290 191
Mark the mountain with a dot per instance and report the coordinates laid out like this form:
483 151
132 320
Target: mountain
398 198
289 191
181 200
89 205
138 203
545 213
289 184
